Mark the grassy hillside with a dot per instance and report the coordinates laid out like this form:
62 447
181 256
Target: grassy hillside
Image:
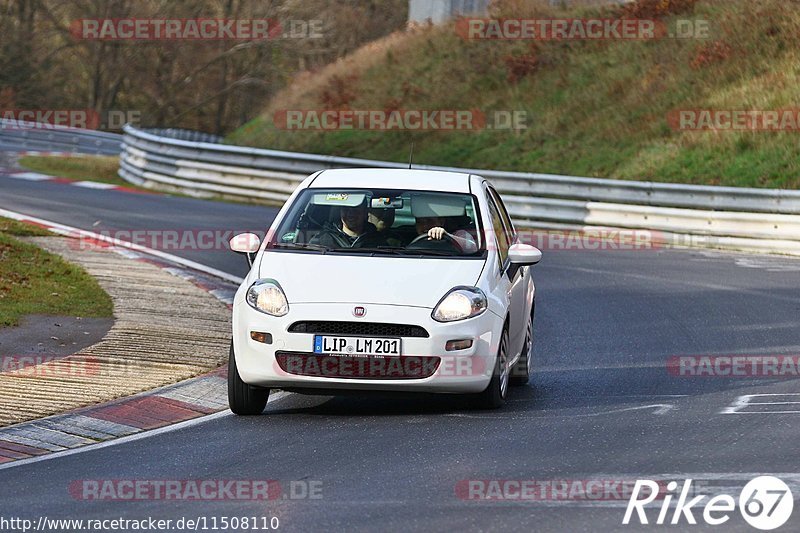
595 108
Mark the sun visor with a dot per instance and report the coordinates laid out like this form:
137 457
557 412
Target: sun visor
437 205
339 199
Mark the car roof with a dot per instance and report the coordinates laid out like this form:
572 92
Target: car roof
383 178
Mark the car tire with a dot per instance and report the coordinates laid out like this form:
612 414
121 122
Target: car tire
244 399
494 395
521 371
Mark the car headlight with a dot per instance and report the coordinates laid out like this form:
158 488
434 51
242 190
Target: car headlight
267 296
459 304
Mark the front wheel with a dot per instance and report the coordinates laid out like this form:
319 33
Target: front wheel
495 394
521 372
244 399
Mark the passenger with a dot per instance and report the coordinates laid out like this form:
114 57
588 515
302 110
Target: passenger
383 220
434 228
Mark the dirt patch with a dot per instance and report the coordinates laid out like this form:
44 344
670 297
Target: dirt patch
52 336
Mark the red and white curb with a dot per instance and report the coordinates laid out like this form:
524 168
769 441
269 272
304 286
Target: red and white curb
36 176
162 407
46 153
122 420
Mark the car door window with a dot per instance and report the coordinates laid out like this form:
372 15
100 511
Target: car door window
504 215
500 231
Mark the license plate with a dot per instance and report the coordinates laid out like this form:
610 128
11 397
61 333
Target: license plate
329 344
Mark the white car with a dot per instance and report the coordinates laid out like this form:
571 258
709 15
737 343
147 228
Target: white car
384 280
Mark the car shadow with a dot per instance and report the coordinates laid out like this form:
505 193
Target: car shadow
549 390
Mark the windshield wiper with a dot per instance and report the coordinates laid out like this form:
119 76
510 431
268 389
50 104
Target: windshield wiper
299 246
403 251
365 250
442 253
393 250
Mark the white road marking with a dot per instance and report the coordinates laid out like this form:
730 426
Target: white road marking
30 176
590 396
94 185
660 409
70 231
223 295
744 401
768 264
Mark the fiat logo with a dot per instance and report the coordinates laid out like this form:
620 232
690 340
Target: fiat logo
359 311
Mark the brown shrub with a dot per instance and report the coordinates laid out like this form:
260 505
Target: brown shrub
393 104
711 53
340 91
653 9
519 66
7 98
412 91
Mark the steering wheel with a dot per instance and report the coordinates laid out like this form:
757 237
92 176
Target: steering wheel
435 244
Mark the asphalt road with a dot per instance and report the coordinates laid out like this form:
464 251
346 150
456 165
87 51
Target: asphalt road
173 224
601 404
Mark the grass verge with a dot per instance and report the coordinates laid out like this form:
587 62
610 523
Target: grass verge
33 281
102 169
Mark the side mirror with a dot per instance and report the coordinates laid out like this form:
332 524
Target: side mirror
246 243
524 254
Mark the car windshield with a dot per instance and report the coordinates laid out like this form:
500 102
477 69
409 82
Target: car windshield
382 222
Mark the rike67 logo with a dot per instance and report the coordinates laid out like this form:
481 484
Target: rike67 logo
765 503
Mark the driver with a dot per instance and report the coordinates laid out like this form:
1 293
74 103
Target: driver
354 227
434 228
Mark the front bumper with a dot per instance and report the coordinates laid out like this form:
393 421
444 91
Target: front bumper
462 371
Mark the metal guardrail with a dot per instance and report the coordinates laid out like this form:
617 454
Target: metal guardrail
189 135
28 136
242 159
764 219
